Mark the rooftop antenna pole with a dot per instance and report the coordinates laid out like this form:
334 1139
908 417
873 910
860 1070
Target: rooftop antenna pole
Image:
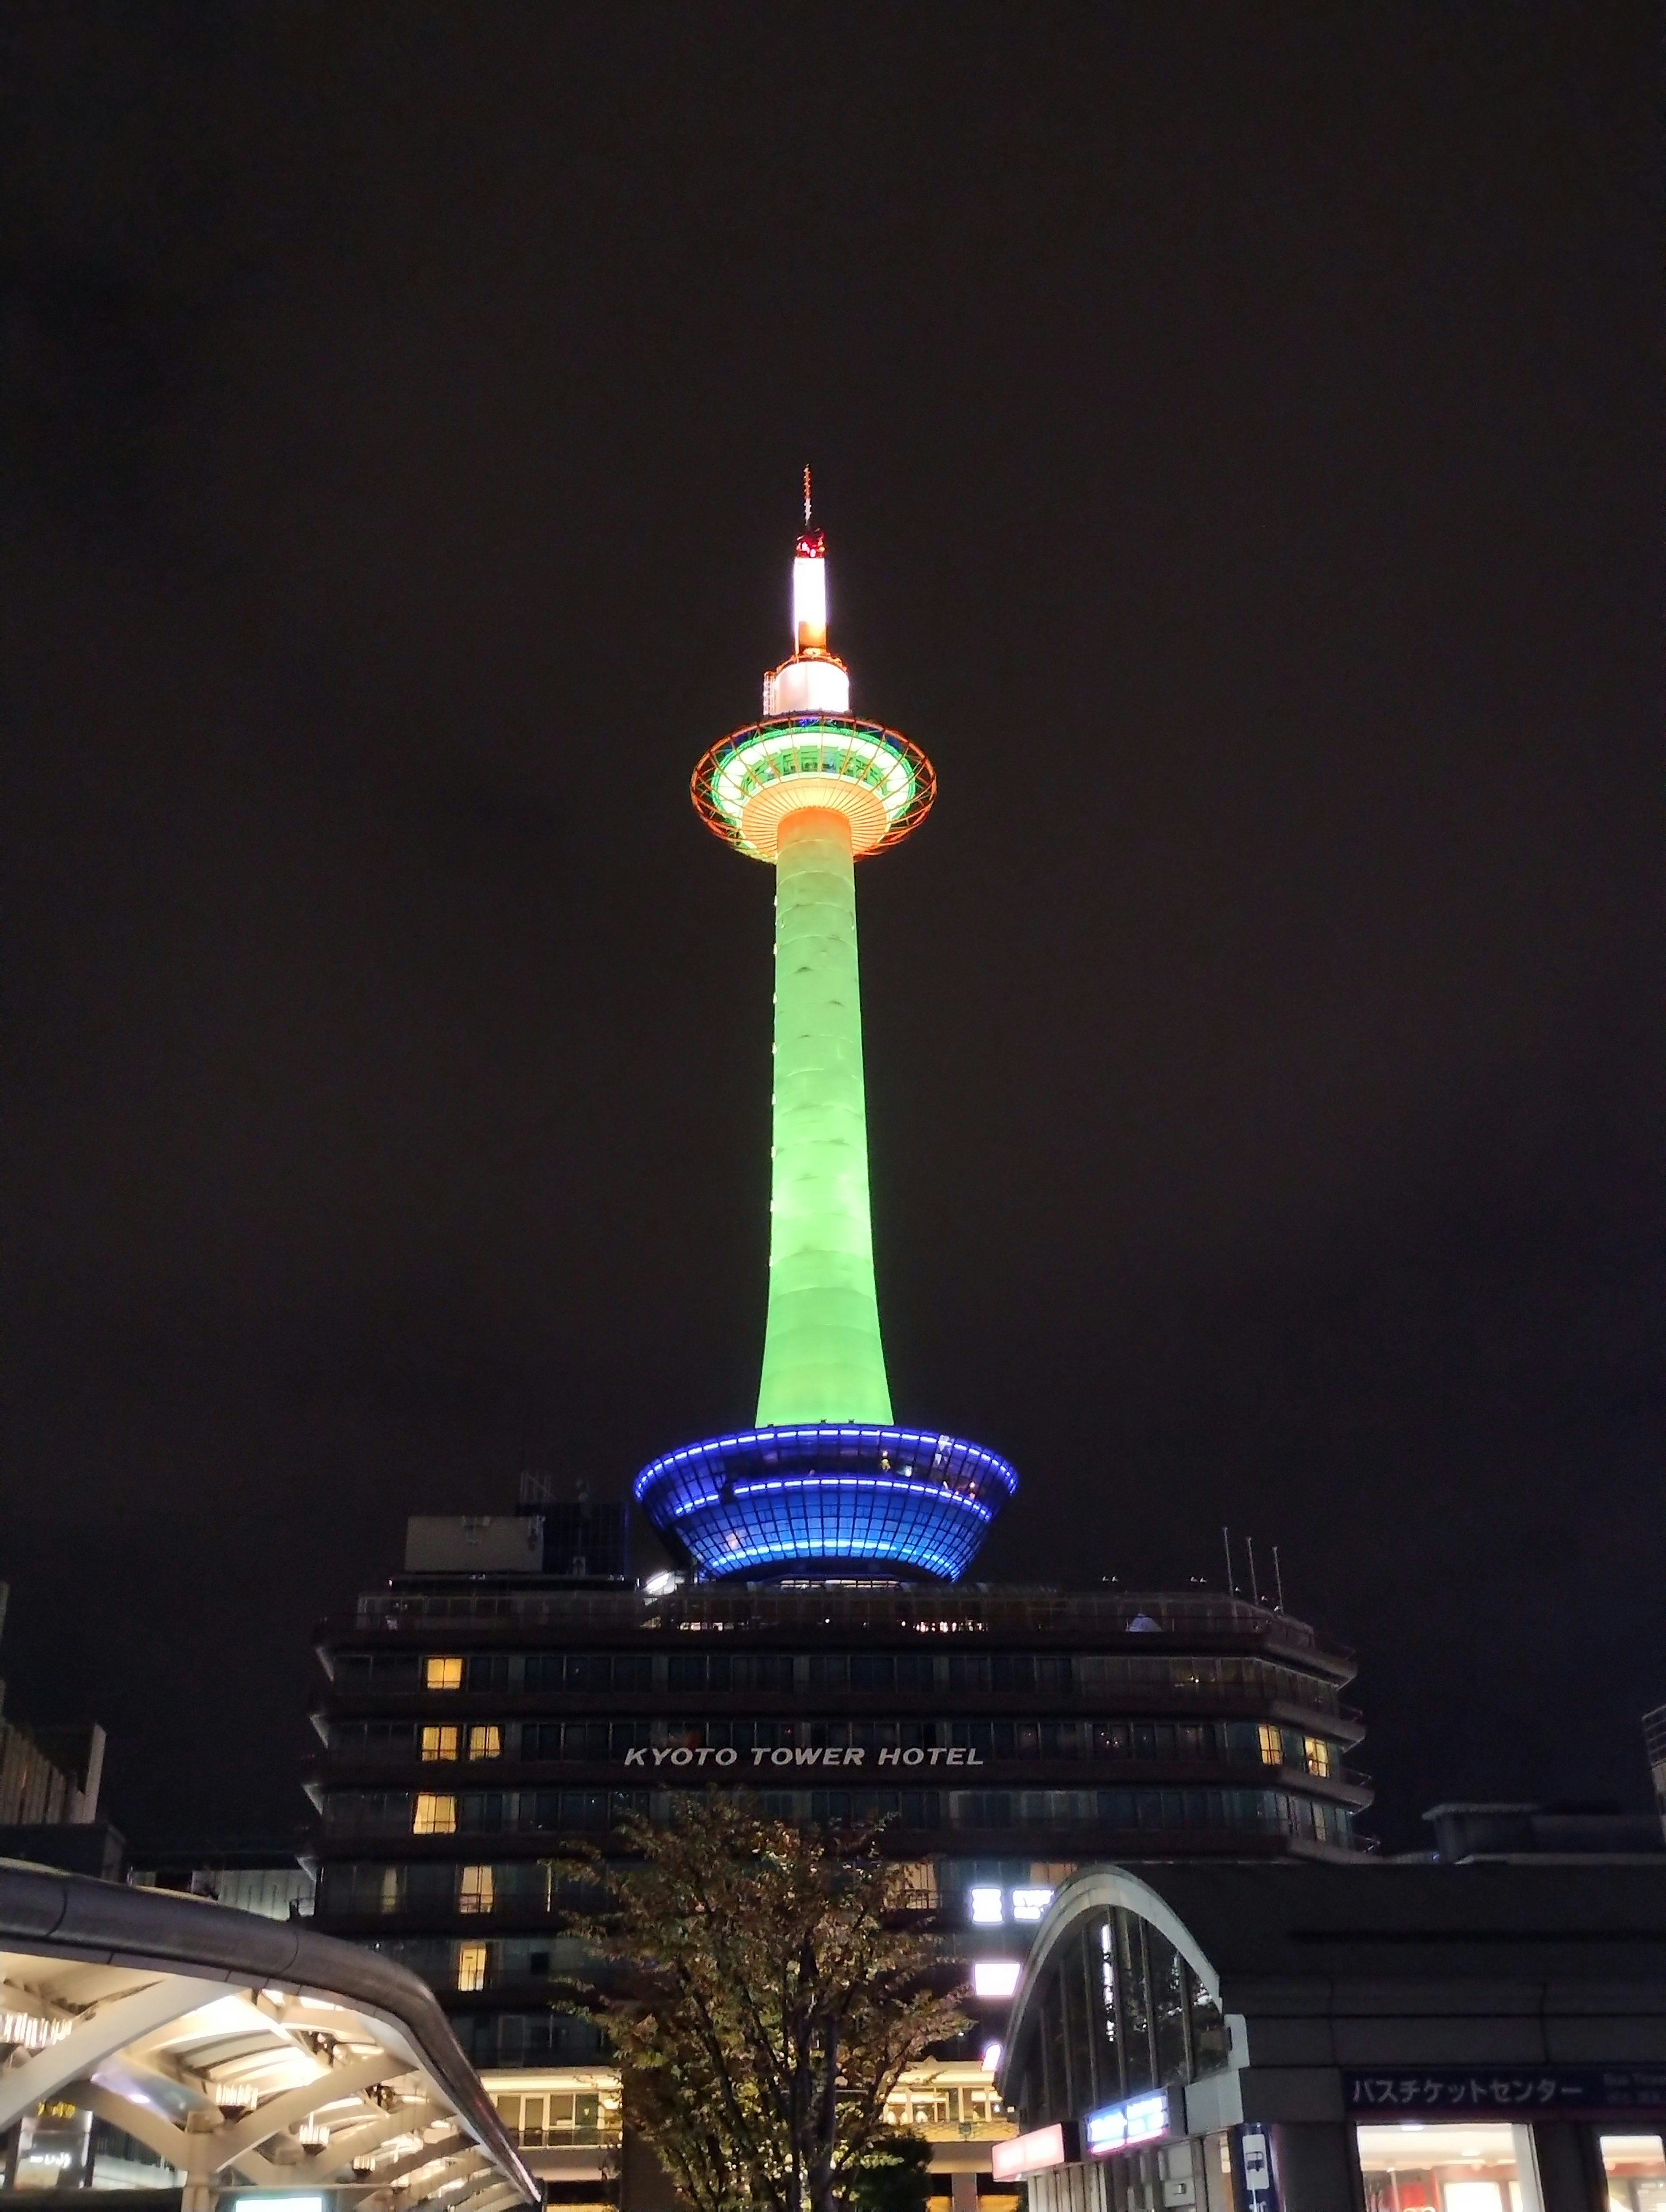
1254 1587
1226 1541
807 494
1278 1577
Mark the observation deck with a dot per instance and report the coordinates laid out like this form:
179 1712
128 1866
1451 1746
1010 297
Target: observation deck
827 1497
748 783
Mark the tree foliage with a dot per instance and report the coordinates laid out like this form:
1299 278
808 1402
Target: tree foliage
766 1993
895 2176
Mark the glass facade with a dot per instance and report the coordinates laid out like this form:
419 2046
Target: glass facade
1132 1813
1119 2012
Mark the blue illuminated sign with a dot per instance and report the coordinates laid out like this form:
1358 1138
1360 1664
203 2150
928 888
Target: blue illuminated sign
1260 2188
1123 2127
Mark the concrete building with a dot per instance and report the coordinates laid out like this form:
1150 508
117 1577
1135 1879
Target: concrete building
1382 2038
1467 1832
51 1780
474 1727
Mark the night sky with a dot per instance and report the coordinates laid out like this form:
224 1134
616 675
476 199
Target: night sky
1237 435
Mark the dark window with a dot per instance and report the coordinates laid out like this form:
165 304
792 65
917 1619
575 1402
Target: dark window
1206 2028
1131 1976
1077 2047
488 1670
1168 2002
1104 1960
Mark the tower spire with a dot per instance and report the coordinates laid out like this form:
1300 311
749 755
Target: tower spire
825 1479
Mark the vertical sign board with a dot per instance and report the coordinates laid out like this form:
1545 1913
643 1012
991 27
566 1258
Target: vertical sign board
1260 2190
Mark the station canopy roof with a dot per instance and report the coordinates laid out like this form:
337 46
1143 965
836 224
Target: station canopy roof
242 2051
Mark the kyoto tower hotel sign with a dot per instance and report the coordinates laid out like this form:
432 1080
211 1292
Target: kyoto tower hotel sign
824 1485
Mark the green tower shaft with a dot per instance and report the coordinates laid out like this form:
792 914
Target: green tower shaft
822 1357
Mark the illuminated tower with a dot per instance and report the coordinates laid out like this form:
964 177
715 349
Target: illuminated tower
823 1482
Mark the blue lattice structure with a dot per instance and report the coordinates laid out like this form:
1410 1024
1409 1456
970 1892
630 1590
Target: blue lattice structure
826 1497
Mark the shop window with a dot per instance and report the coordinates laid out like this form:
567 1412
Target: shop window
435 1815
1272 1745
472 1965
1455 2166
486 1742
439 1743
475 1889
1318 1754
442 1674
1636 2173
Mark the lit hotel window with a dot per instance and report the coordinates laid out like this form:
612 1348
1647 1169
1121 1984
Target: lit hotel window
442 1674
474 1891
1318 1756
439 1743
434 1816
1272 1743
486 1742
471 1966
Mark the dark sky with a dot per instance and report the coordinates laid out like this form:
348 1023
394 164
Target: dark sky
1236 430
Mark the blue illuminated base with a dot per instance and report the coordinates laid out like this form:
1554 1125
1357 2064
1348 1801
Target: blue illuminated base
774 1502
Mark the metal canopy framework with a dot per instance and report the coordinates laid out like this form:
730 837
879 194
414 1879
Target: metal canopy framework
244 2052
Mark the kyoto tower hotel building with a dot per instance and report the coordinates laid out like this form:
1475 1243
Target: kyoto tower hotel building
516 1690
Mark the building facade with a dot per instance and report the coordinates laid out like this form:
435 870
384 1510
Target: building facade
475 1729
1394 2038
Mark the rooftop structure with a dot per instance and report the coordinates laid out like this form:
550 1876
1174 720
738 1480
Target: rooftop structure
824 1481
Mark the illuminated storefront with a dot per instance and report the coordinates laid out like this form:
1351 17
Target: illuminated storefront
1399 2038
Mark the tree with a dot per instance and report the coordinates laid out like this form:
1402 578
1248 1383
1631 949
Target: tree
893 2177
766 1995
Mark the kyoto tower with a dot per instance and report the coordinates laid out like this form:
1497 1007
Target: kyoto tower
823 1485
